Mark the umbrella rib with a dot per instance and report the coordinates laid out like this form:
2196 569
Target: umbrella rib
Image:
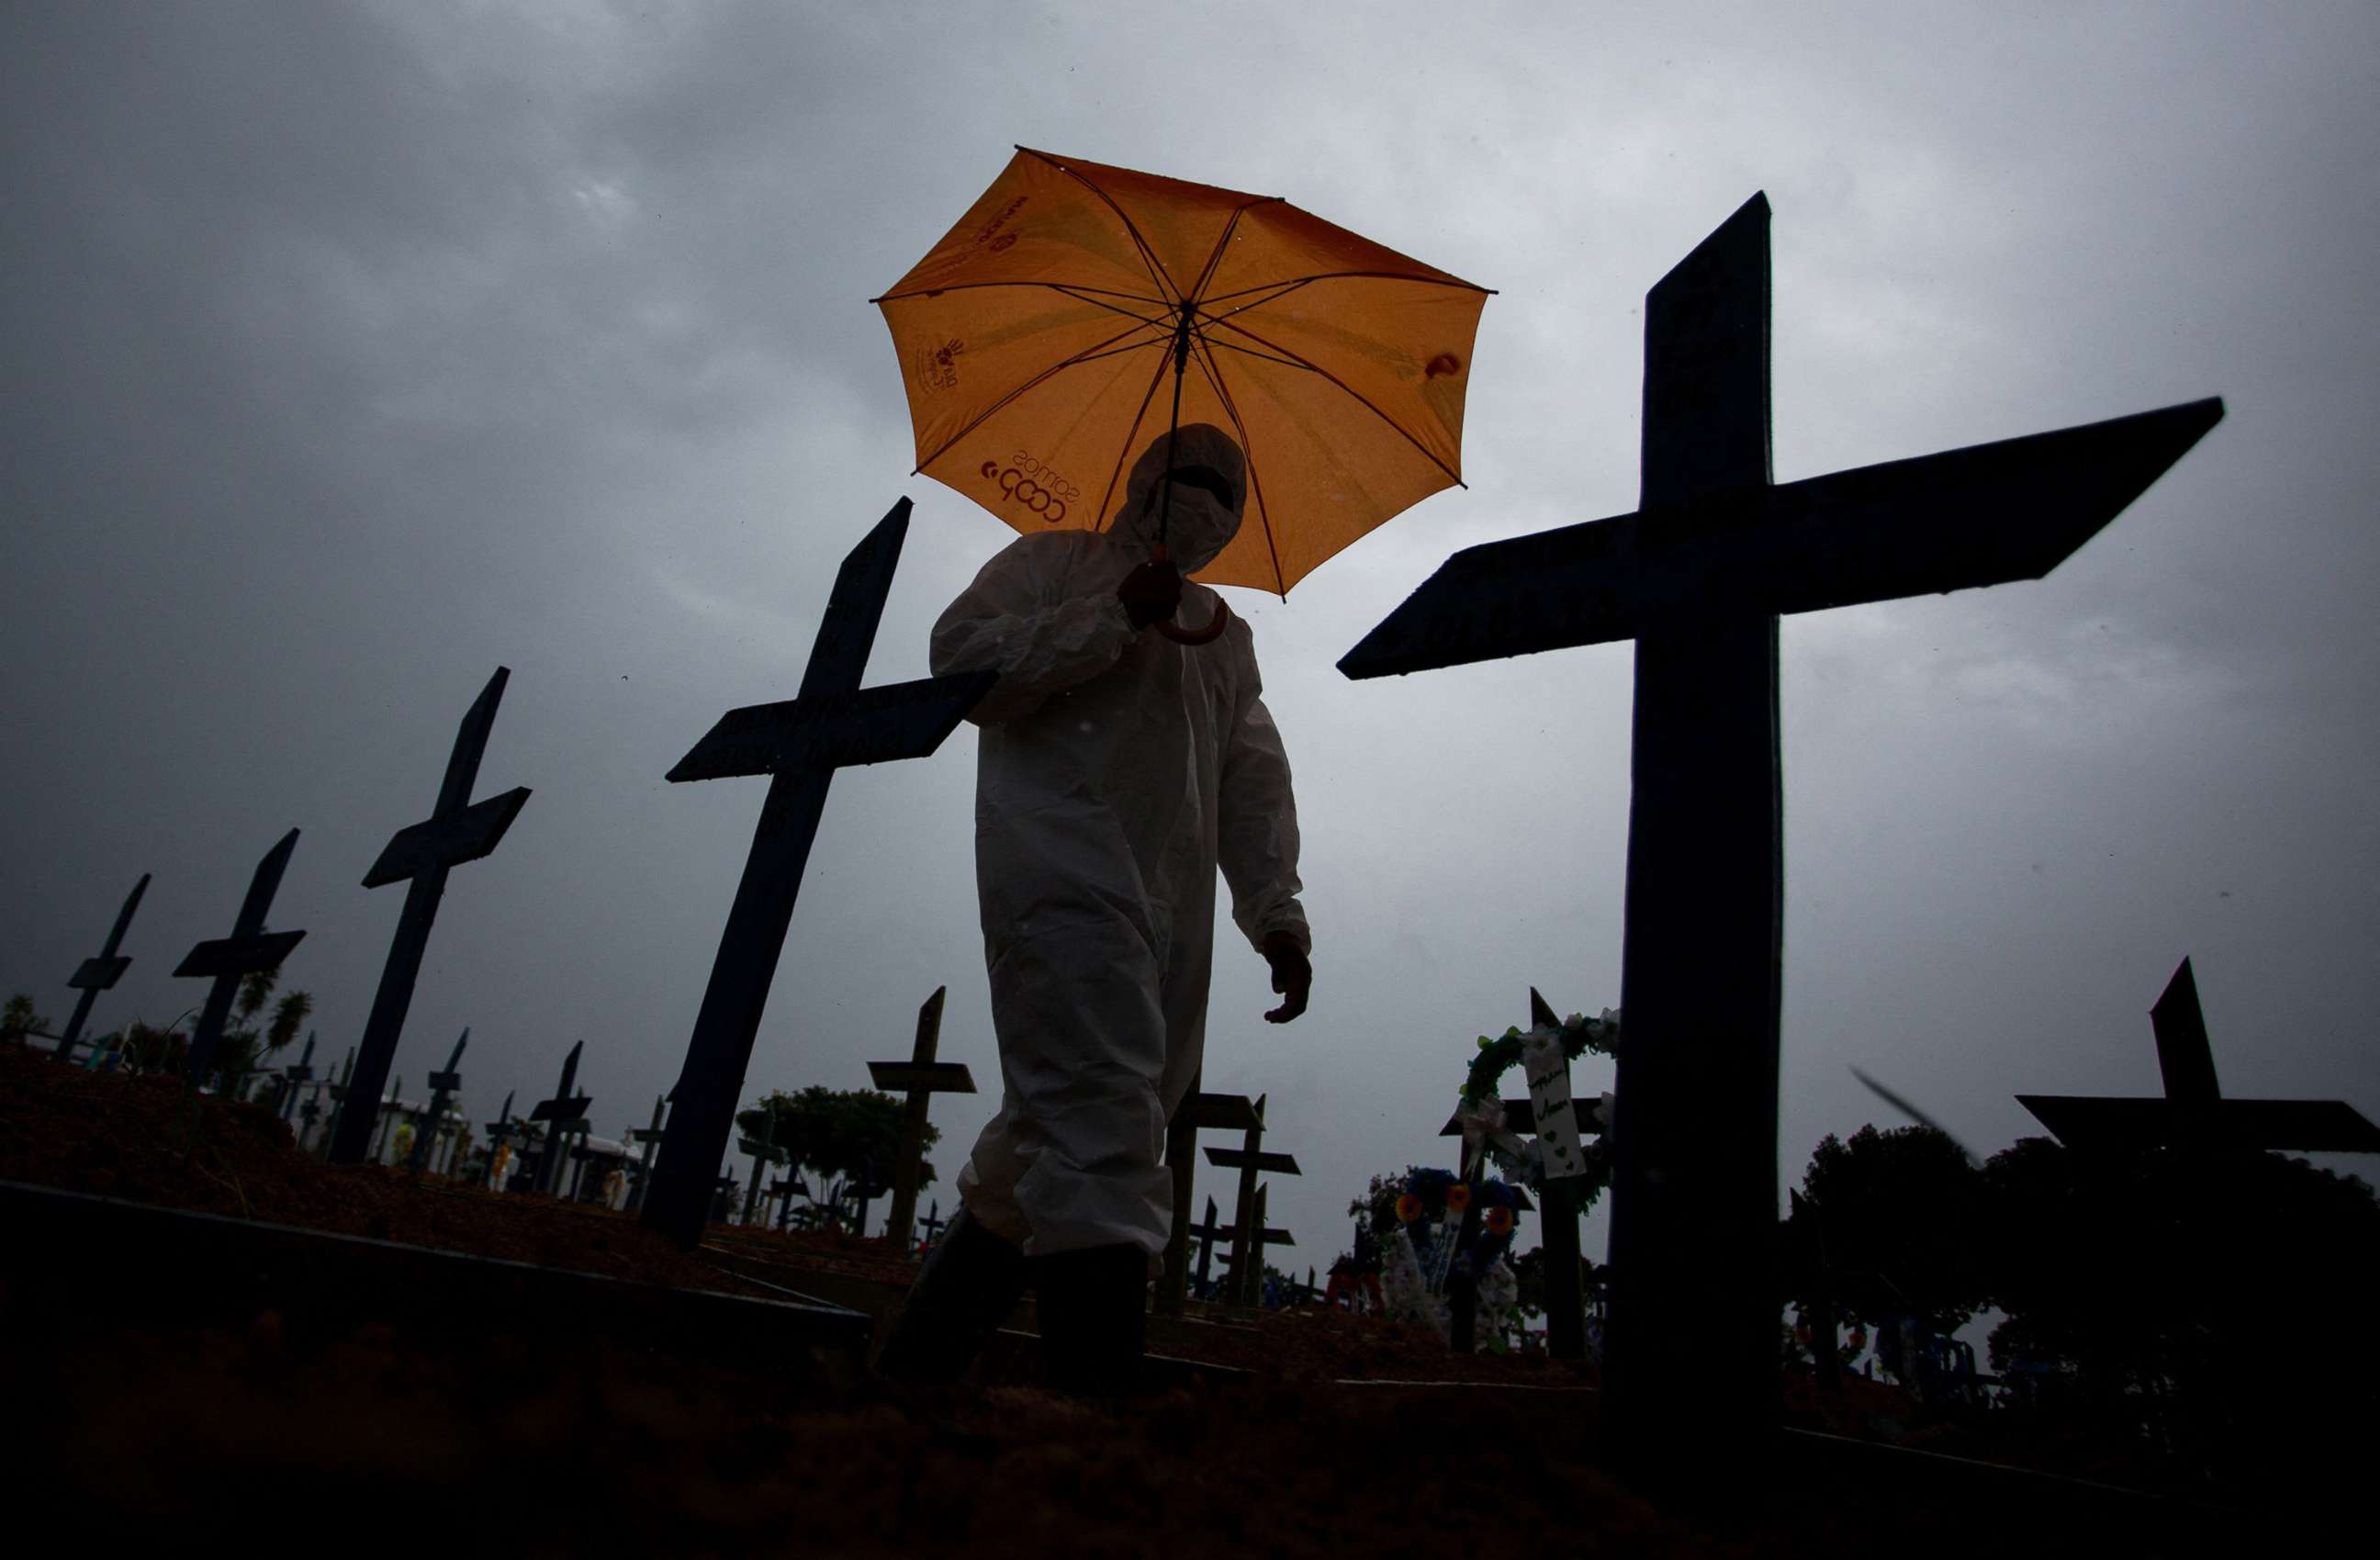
1207 272
986 415
1160 321
1213 370
1356 275
1252 351
1157 271
1281 290
1354 394
1124 450
972 286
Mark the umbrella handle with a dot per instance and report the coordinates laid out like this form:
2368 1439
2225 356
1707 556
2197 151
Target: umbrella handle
1180 635
1205 636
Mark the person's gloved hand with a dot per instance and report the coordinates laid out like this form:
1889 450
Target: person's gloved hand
1293 975
1150 593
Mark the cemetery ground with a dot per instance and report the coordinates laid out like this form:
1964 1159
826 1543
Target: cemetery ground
182 1365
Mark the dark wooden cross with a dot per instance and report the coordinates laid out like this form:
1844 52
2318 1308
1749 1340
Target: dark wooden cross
1199 1112
100 974
457 830
444 1086
862 1190
1697 578
1209 1232
784 1189
922 1078
387 1119
249 949
648 1138
501 1131
565 1117
339 1096
2194 1112
799 744
296 1073
1245 1281
1558 1229
1249 1159
932 1225
722 1188
765 1153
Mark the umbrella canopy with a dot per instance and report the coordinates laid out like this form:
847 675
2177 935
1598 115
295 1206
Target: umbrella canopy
1039 340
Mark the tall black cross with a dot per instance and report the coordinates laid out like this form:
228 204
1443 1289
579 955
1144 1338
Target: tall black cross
457 832
297 1072
921 1077
565 1117
1199 1111
249 948
2194 1112
444 1086
932 1225
100 973
1697 576
799 744
1209 1232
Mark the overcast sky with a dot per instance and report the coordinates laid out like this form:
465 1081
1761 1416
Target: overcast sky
351 351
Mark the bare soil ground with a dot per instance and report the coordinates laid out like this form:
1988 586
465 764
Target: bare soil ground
379 1441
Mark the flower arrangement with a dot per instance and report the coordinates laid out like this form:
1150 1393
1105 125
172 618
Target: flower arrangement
1430 1244
1578 1035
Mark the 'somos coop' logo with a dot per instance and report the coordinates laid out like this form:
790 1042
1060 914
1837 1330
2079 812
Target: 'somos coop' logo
1029 482
937 367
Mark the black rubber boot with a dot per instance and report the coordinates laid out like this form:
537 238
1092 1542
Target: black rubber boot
965 1287
1093 1305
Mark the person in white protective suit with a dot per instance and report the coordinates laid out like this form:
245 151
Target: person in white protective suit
1117 769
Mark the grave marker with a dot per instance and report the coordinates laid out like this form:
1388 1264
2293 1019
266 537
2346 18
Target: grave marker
564 1116
1249 1159
799 744
2194 1111
923 1078
444 1086
300 1072
249 948
765 1153
1198 1112
648 1138
932 1225
1697 578
1246 1282
501 1131
1565 1295
457 830
100 973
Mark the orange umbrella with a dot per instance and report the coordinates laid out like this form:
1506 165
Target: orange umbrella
1077 311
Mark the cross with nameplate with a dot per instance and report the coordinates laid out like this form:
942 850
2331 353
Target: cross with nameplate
1697 578
444 1086
922 1078
457 830
1558 1229
565 1117
2194 1112
1199 1111
799 744
250 948
100 974
1249 1159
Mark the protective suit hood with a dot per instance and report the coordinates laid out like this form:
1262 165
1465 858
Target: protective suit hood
1200 524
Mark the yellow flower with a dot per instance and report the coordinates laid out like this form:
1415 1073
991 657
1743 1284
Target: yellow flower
1457 1197
1408 1208
1498 1221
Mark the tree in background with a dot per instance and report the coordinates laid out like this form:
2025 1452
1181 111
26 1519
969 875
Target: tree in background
245 1046
845 1133
1901 1215
18 1019
2218 1299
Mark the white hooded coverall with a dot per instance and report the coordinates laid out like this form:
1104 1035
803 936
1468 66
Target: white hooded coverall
1115 770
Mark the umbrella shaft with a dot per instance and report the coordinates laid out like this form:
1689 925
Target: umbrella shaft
1173 426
